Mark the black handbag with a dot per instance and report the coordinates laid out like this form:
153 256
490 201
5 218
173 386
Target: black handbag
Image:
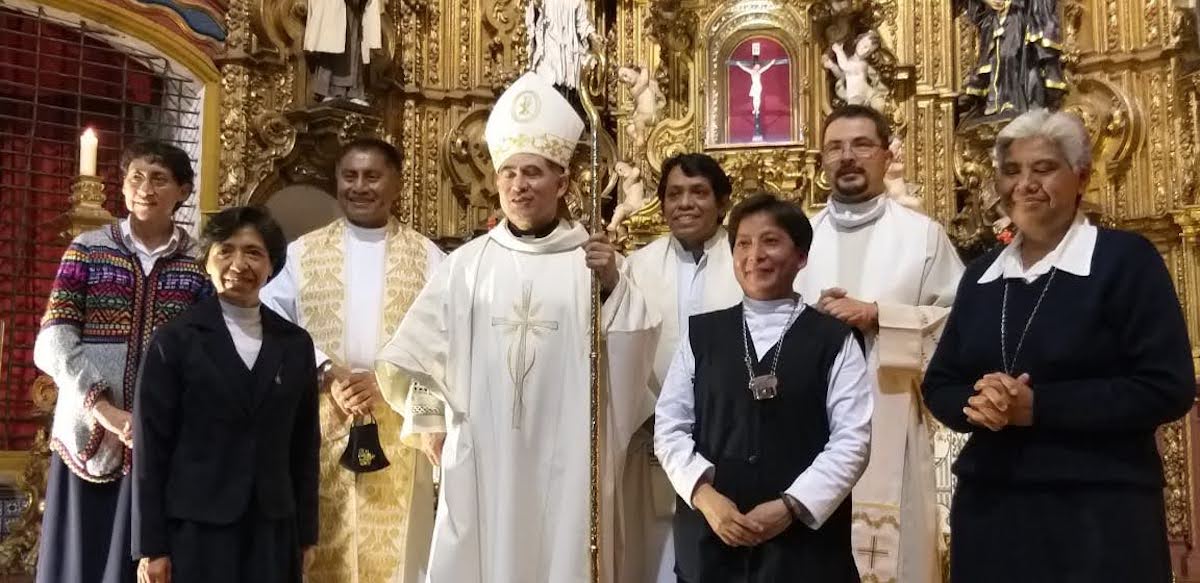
363 452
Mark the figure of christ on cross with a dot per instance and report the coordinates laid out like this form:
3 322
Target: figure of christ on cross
755 71
520 355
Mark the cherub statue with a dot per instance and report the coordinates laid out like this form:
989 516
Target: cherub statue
647 100
633 195
858 83
893 179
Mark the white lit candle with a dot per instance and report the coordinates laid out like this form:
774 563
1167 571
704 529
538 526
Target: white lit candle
88 144
755 49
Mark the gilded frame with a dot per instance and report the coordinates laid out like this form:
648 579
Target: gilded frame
729 25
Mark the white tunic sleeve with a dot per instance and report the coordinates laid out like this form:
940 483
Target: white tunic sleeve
908 335
674 419
848 404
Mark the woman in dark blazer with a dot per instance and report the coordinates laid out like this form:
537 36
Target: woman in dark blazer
225 426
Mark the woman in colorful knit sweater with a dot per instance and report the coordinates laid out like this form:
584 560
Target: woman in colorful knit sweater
114 287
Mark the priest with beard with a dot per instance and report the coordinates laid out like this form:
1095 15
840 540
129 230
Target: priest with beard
890 272
500 334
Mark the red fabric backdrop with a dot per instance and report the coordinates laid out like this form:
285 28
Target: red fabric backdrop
776 108
53 82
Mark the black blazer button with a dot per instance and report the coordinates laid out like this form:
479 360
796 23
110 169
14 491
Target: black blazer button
752 459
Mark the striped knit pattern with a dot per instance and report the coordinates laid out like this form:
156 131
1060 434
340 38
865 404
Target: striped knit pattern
104 309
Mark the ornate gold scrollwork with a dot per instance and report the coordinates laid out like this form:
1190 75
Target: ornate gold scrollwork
466 162
19 550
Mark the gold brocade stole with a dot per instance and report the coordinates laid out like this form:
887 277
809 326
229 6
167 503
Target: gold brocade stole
363 517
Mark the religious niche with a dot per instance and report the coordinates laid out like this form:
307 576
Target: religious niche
1020 68
758 93
755 93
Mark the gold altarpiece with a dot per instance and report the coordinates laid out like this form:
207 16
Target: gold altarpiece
1131 74
1131 67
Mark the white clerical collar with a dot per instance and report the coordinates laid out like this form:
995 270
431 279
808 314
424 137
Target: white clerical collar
240 313
367 234
856 214
566 236
1073 254
765 307
133 242
686 256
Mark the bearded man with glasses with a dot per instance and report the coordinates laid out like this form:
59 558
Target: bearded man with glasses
892 273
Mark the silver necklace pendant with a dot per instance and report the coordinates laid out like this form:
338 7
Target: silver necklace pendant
1011 365
764 387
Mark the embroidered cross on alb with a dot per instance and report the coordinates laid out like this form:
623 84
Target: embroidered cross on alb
521 355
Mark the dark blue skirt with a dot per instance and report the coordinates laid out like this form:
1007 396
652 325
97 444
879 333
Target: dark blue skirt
85 530
1062 533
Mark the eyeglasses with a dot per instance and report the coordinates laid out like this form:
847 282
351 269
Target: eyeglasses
156 181
836 151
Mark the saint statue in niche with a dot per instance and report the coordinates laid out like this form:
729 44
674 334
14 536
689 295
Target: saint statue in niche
1020 59
559 31
340 36
758 93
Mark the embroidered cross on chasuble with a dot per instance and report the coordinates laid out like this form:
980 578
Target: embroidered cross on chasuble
521 355
364 518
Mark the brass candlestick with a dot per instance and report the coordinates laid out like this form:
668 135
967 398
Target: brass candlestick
87 206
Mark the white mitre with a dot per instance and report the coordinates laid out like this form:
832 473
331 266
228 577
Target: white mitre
531 117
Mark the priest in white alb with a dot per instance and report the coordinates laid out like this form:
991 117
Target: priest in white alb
892 273
500 335
349 284
689 271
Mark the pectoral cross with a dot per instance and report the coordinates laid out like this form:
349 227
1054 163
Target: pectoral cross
872 552
520 355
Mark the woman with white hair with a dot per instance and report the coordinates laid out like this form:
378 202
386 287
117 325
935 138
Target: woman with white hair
1063 354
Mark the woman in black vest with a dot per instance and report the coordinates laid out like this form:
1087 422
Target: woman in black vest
763 424
1063 354
225 428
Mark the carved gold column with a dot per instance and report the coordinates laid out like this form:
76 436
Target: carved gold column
258 87
1181 457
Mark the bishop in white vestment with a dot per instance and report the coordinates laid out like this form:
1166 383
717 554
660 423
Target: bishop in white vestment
892 272
349 284
687 272
500 334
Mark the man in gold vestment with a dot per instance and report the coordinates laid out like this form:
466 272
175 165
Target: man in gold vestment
349 284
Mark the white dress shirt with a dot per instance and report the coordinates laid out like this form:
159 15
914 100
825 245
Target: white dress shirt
245 327
147 256
689 284
822 486
1073 254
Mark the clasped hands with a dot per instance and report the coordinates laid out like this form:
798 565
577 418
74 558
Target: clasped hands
355 393
852 312
999 401
763 523
115 420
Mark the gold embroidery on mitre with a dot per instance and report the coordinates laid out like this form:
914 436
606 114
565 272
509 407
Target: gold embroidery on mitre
549 146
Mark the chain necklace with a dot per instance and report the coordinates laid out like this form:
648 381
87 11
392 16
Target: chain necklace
1010 366
766 386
